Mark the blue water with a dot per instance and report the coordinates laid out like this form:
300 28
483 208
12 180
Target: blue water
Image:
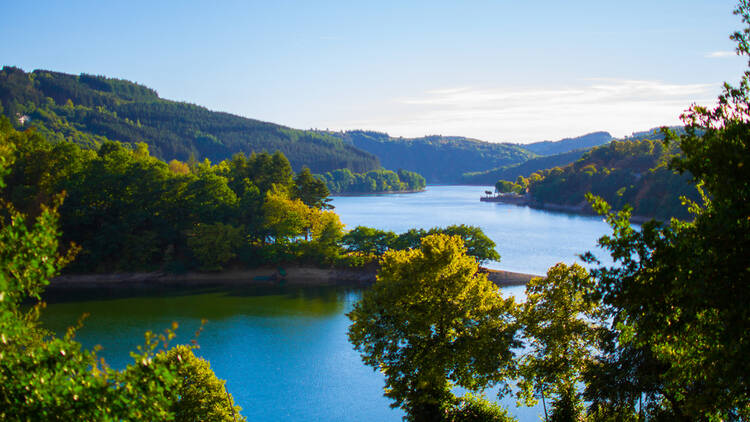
528 240
284 351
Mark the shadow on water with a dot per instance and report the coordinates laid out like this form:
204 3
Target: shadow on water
212 304
85 294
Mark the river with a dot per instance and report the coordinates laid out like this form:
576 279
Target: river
528 240
284 351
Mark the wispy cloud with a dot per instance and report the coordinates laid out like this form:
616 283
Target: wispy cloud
516 114
720 54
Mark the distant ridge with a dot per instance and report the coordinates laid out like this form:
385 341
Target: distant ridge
525 169
569 144
440 159
86 109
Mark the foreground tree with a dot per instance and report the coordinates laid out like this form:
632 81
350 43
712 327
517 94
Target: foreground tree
678 298
430 322
560 326
203 396
44 377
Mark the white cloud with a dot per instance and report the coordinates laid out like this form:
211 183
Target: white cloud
720 54
526 114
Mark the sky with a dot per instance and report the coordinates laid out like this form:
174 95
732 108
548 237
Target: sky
499 71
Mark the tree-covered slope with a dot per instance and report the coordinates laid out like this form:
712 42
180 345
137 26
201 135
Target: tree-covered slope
439 159
569 144
511 172
631 172
87 109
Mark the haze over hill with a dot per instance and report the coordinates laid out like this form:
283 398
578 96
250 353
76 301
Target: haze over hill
445 159
440 159
568 144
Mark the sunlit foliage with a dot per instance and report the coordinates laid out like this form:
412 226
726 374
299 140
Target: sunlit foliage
432 321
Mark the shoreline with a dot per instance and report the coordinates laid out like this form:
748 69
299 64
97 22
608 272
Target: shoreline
292 276
391 192
580 209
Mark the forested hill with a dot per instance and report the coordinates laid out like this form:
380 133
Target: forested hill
511 172
87 109
560 159
631 172
439 159
569 144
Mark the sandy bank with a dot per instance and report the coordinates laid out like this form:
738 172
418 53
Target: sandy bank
298 276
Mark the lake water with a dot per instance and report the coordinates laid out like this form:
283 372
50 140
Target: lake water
284 351
528 240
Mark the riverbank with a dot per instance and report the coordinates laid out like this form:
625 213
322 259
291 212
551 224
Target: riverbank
390 192
583 208
293 275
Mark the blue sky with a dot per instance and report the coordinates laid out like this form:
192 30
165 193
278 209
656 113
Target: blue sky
510 71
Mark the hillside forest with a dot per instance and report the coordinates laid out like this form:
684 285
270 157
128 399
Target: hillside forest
634 172
127 210
88 109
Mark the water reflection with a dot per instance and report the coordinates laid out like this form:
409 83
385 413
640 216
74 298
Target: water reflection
280 349
209 303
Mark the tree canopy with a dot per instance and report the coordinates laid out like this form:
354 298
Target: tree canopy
368 240
130 211
48 377
677 296
374 181
432 321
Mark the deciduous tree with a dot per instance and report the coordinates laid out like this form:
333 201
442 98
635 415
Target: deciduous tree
432 321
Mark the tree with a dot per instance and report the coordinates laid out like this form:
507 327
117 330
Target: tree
46 377
678 296
374 241
326 228
215 244
285 218
203 396
478 245
430 322
312 191
368 240
560 325
503 186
